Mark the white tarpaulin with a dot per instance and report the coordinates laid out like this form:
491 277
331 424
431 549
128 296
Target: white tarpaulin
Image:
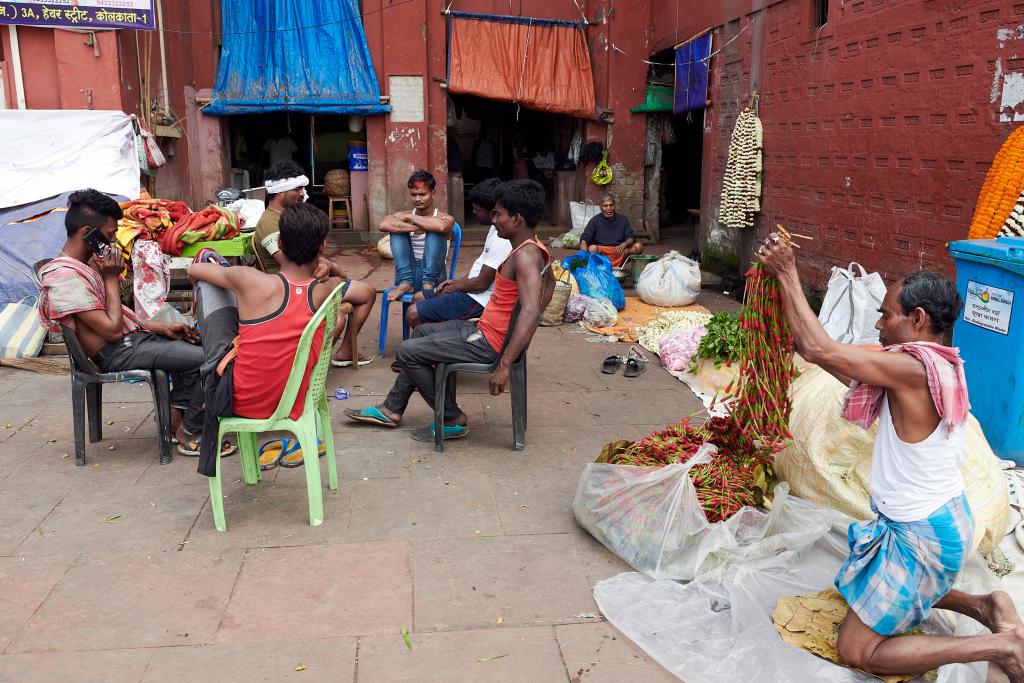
48 152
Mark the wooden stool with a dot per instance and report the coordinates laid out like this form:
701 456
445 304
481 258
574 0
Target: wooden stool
345 309
348 209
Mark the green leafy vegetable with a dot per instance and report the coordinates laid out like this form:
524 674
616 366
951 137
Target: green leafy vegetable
723 343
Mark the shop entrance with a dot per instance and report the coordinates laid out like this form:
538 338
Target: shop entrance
487 138
317 143
681 161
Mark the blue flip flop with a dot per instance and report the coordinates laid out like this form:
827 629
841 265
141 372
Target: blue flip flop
270 460
371 415
295 458
448 432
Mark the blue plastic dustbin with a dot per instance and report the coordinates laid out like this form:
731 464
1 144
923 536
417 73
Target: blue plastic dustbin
990 334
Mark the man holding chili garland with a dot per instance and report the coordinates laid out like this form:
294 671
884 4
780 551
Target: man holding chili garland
905 562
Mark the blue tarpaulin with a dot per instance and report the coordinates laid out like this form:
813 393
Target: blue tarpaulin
294 55
692 74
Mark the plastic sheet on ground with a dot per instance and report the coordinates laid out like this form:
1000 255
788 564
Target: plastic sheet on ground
719 627
652 519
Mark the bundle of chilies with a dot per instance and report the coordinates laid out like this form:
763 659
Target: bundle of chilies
758 425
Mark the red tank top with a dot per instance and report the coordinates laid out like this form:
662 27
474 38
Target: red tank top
498 313
266 351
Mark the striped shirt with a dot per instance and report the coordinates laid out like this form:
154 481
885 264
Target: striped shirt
70 286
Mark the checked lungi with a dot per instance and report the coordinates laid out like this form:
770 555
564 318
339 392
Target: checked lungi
897 571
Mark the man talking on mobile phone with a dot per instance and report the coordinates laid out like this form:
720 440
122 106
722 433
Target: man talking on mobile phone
80 291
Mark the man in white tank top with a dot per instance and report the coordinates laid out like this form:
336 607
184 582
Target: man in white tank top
905 562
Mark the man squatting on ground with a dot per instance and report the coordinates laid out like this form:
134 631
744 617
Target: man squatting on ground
610 234
466 297
286 187
905 562
80 290
267 314
517 210
419 239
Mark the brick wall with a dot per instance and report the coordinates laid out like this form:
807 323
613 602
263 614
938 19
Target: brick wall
879 128
628 188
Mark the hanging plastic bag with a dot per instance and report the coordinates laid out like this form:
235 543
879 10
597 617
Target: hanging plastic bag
602 174
672 280
600 313
593 274
651 518
850 309
575 308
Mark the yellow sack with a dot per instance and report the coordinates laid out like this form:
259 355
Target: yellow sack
829 460
557 271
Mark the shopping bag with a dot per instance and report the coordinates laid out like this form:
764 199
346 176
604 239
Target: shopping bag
21 332
850 309
593 273
581 213
672 280
651 518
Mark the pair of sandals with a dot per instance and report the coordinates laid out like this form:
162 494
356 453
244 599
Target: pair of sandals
190 448
634 361
284 452
373 415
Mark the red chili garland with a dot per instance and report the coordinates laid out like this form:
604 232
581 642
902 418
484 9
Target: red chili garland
759 424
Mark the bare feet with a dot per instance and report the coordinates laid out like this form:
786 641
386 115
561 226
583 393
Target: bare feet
398 292
1000 613
390 414
1012 661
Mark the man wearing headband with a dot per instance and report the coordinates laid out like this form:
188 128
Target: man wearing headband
286 187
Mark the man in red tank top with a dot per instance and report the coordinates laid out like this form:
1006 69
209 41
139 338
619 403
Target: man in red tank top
267 313
517 210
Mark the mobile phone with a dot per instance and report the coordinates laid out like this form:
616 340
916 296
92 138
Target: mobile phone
97 242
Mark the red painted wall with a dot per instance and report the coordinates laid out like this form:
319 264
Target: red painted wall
879 128
410 39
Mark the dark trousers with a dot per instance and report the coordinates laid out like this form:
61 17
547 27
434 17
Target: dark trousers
148 351
455 341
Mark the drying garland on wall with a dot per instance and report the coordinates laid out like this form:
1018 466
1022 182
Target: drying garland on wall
741 185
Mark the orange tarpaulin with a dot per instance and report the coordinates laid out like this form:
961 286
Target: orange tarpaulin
539 64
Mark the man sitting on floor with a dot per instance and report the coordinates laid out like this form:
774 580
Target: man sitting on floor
466 297
286 188
87 299
419 239
903 563
609 233
518 208
267 313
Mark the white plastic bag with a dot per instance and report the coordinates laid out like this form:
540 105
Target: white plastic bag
672 280
580 213
850 309
652 519
600 313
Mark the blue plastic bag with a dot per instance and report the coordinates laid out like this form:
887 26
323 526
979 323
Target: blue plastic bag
593 273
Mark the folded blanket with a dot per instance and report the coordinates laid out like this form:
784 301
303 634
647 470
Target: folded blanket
212 223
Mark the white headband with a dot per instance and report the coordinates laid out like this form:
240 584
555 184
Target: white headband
285 184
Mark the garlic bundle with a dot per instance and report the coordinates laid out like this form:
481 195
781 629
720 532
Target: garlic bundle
741 184
1014 225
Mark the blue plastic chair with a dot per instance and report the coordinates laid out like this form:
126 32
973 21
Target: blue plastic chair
385 303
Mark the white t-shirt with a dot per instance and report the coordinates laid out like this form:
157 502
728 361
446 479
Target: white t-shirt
909 481
496 250
419 241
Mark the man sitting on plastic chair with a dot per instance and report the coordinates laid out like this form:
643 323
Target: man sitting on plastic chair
419 240
466 297
262 316
80 289
517 210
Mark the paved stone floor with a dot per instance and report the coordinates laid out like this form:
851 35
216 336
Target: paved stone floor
113 572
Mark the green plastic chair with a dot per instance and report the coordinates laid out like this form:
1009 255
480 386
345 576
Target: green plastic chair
315 419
